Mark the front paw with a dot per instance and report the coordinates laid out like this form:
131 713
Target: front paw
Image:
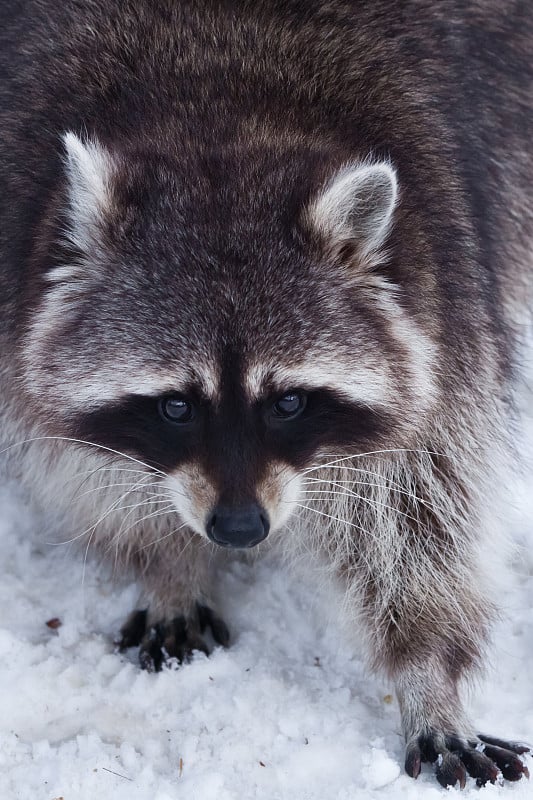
174 638
483 757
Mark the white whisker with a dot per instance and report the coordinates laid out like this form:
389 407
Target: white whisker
154 513
387 484
363 498
105 486
335 519
339 459
166 536
115 506
85 444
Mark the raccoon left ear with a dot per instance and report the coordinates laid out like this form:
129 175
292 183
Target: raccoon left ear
356 207
89 169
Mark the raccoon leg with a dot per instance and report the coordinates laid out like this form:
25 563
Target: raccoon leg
427 654
177 615
414 575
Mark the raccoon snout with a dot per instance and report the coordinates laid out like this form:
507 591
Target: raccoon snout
238 527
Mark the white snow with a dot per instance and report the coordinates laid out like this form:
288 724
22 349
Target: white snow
289 712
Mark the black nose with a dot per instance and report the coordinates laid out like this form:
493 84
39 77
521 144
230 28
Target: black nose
238 527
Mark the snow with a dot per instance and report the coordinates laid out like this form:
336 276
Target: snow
289 712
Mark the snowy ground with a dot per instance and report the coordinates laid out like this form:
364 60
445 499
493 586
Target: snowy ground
288 713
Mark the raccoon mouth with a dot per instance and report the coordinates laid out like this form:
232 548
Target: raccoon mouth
243 527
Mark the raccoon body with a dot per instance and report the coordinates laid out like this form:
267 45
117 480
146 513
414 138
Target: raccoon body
261 266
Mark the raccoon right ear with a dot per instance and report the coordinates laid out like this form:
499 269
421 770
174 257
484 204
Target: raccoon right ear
89 168
356 208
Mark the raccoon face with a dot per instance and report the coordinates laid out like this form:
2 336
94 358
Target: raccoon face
227 322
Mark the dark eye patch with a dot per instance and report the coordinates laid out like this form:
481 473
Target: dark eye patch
136 426
235 435
328 420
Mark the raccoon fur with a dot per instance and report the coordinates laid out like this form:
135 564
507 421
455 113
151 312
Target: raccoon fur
261 266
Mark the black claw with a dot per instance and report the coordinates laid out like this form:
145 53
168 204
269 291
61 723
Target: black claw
133 630
457 745
451 770
429 749
204 616
516 747
175 633
178 641
413 760
512 768
146 661
219 629
151 655
479 766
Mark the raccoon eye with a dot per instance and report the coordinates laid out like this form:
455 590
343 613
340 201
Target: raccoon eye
289 406
176 410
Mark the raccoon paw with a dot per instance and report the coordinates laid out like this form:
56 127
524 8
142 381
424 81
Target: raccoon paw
484 758
174 638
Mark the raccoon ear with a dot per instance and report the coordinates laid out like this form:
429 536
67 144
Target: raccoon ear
356 207
89 168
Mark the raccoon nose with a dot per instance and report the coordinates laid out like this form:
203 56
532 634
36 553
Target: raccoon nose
238 527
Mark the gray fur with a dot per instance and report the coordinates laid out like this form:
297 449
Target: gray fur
235 200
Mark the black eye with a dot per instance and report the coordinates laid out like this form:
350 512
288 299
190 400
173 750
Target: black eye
289 406
176 410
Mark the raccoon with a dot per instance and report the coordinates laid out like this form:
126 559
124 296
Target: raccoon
261 267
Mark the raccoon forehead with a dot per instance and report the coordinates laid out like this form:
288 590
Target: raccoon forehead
368 384
400 373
